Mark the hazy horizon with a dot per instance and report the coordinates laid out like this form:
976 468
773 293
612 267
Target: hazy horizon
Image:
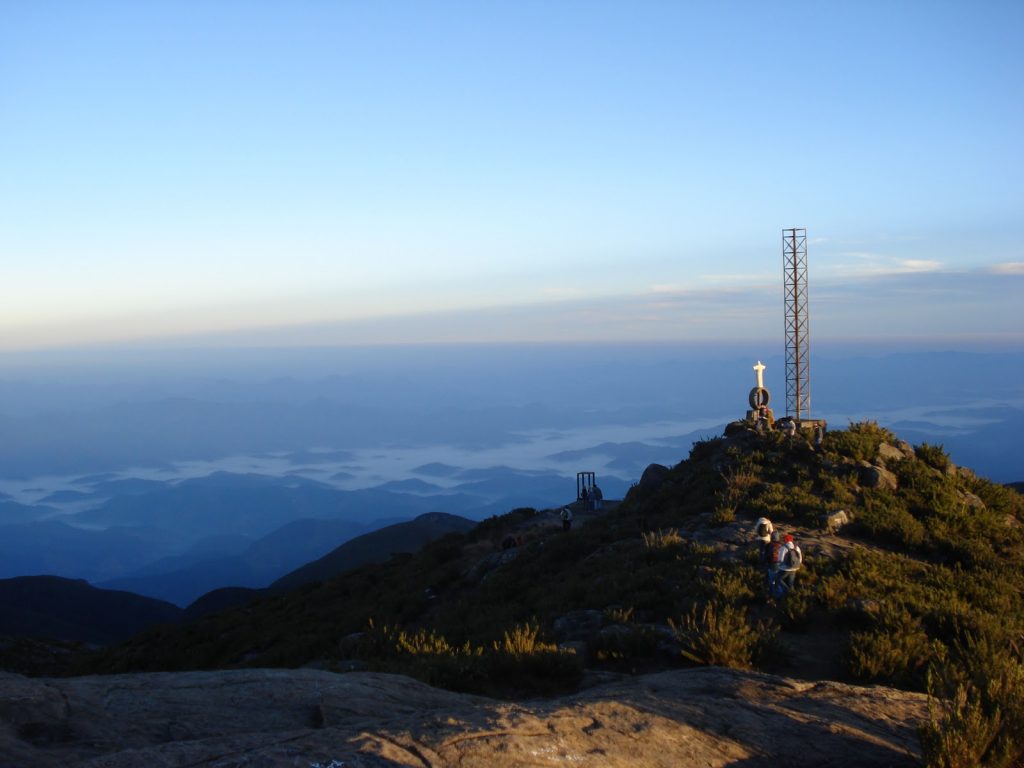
339 173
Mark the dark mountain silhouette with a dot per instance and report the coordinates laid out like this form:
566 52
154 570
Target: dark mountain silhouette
66 609
218 600
259 564
376 547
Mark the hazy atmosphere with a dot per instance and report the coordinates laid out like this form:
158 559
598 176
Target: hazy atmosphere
337 173
361 261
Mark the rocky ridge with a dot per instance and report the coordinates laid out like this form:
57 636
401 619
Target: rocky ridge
314 719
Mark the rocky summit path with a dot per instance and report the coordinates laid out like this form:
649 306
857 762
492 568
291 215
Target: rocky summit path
315 719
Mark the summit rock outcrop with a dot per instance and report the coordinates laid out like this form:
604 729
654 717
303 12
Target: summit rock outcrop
312 718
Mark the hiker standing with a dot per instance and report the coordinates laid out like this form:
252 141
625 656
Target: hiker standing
790 562
585 497
597 496
763 531
566 518
773 558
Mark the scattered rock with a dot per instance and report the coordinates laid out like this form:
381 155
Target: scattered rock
834 521
878 477
864 606
887 453
971 500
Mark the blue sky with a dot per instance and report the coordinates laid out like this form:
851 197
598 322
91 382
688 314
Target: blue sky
343 172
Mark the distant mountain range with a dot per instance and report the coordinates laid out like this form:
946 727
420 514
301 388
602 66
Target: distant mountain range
72 610
178 541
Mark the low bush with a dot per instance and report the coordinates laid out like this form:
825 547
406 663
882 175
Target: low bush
518 664
720 634
662 539
859 442
884 516
976 709
932 455
897 650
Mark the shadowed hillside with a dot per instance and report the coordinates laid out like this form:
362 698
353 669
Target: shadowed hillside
375 547
67 609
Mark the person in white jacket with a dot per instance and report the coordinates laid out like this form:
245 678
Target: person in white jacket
792 559
763 532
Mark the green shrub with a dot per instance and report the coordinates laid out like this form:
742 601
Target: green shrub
519 663
897 650
721 635
723 514
976 709
860 441
625 646
734 585
932 455
662 539
885 517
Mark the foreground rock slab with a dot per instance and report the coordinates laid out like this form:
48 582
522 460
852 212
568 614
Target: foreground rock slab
317 719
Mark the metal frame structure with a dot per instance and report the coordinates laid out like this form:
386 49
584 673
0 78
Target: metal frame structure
584 480
798 358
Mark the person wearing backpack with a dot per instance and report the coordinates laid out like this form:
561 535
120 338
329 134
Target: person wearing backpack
763 532
789 563
773 556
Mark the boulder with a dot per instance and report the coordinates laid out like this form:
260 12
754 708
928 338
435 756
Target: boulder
833 522
878 477
888 453
654 476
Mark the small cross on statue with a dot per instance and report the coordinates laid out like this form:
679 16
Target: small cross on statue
759 369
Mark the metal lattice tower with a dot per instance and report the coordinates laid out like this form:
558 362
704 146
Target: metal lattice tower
798 359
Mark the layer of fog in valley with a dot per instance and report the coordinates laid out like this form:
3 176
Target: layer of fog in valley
219 467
